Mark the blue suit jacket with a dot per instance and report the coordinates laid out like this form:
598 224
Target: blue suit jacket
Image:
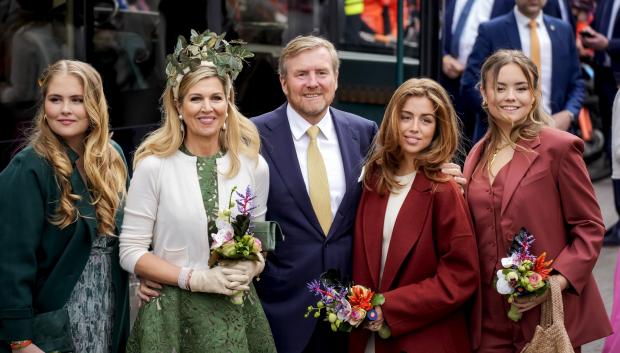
306 252
599 25
552 8
567 85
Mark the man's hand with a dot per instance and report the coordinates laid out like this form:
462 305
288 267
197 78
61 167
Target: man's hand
563 120
452 67
454 170
148 290
595 40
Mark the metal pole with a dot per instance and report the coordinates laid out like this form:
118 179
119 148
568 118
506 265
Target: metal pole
400 50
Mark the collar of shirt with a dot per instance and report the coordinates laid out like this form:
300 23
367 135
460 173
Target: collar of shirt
299 125
524 21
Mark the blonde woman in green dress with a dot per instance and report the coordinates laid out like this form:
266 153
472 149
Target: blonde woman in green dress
184 173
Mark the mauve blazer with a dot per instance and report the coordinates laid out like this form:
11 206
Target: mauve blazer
431 268
548 191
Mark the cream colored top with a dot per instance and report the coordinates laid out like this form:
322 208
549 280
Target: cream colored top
395 202
165 211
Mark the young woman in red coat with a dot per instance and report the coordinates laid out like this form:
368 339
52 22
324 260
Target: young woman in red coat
413 238
524 173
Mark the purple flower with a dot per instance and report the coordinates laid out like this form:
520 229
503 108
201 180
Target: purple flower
244 202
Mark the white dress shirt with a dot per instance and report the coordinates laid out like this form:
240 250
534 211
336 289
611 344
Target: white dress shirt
546 57
480 12
327 141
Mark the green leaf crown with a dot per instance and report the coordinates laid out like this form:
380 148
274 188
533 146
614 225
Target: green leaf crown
206 49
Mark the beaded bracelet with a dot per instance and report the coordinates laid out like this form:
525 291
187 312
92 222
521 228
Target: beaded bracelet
184 277
15 345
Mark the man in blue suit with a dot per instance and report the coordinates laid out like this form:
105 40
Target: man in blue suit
562 86
318 229
459 32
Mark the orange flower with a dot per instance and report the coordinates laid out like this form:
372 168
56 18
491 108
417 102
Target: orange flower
361 297
542 267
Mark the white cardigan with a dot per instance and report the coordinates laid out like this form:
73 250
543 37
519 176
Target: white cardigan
165 211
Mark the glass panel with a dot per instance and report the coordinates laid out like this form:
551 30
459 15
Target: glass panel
34 34
128 51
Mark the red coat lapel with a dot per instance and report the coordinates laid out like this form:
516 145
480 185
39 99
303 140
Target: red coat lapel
373 216
409 224
524 155
472 161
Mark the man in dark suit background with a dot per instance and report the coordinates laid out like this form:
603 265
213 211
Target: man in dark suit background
604 38
459 32
315 209
553 44
461 19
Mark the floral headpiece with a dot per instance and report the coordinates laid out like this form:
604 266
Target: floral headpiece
206 49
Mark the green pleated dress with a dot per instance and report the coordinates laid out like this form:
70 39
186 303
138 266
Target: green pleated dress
181 321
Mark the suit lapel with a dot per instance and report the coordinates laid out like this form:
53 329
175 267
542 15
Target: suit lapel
373 217
557 61
407 228
524 155
348 141
512 31
472 161
280 146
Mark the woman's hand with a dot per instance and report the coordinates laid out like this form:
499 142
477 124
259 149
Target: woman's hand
148 290
454 170
31 348
525 304
376 324
249 267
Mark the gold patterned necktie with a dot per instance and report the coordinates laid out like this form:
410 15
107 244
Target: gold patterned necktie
535 44
317 182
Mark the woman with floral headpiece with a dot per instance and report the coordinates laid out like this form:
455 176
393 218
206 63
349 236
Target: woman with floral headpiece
184 174
61 286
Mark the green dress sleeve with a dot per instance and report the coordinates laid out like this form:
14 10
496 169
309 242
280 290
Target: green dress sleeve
22 221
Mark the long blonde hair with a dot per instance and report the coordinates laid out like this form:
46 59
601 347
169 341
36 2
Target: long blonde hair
106 173
240 136
536 119
386 154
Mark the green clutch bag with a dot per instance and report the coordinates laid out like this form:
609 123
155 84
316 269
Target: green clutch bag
269 233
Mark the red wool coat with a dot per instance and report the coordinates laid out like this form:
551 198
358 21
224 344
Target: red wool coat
430 273
548 191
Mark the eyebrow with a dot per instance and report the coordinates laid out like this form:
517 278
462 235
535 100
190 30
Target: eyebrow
60 95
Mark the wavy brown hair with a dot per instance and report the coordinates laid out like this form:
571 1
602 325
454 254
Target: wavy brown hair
240 136
104 168
386 154
536 119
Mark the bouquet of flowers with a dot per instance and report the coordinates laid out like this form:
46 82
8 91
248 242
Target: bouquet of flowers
232 234
344 306
523 274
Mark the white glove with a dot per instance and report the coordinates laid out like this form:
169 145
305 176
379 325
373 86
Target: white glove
219 280
249 268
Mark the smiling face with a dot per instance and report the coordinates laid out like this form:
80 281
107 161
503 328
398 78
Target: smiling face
512 100
416 126
65 109
310 83
204 109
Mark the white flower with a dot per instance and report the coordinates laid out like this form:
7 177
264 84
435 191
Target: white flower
225 233
508 262
503 287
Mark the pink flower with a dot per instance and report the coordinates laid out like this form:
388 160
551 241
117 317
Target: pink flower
224 234
357 316
536 280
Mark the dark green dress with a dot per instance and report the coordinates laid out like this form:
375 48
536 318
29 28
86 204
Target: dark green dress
181 321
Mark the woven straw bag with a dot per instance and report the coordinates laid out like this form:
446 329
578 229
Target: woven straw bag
550 336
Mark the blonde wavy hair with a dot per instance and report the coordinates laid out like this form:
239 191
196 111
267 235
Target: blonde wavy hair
105 170
240 136
529 127
386 154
